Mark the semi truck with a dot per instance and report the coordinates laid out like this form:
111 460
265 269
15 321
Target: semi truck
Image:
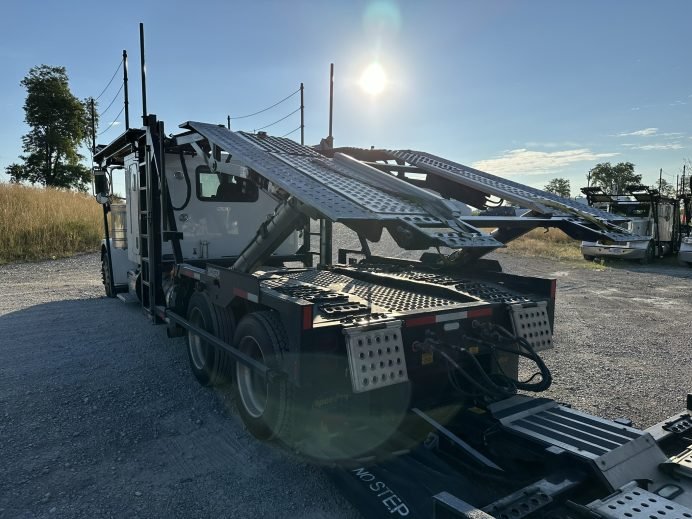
401 375
643 211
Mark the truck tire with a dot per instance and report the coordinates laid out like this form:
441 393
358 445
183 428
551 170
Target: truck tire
211 366
265 406
650 253
589 258
106 274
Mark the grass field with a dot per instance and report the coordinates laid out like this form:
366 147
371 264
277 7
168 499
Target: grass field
553 244
38 223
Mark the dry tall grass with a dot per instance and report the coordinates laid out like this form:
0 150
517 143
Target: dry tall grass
553 244
38 223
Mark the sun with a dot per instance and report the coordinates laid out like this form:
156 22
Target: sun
373 79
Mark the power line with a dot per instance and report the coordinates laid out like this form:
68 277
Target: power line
113 122
279 120
112 101
292 131
111 80
268 108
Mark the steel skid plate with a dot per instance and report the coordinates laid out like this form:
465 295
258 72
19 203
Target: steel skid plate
531 322
376 356
631 501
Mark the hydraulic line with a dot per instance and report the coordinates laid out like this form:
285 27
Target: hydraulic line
477 381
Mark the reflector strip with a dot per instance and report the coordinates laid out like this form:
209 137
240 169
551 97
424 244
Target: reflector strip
453 316
307 317
481 312
245 295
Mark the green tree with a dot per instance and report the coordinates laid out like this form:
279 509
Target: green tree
559 186
664 187
59 122
613 179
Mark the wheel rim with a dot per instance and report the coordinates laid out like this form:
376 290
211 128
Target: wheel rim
197 347
251 386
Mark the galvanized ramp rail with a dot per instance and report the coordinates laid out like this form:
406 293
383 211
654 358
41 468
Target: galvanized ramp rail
574 215
332 190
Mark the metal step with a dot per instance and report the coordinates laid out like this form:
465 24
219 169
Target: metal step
128 298
634 502
617 452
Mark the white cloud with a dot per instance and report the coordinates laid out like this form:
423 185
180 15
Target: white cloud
639 133
656 146
537 162
536 144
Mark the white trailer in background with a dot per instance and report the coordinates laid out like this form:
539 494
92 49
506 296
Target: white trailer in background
644 212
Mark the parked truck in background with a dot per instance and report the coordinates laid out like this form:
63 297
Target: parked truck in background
643 211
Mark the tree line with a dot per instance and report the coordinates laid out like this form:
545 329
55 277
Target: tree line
611 178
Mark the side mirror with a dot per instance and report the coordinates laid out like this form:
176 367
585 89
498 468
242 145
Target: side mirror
100 182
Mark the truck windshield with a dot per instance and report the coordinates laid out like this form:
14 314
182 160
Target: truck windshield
635 210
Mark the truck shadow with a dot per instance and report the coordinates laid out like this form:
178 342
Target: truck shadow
665 266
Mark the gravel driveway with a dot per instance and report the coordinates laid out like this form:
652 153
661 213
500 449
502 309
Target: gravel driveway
101 417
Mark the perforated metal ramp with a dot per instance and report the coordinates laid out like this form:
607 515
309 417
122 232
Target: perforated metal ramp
331 190
536 199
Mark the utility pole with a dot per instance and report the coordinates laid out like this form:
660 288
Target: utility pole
228 121
330 137
127 99
93 128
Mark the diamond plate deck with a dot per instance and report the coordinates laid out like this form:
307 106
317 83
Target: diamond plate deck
390 299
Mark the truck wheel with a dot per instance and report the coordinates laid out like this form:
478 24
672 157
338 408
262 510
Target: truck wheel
265 406
588 258
650 253
106 274
210 365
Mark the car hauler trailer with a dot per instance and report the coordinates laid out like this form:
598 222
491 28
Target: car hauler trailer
644 212
403 372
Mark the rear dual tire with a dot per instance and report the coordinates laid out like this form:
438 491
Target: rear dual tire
266 405
211 366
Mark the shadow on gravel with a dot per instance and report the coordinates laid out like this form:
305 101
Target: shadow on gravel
666 266
100 417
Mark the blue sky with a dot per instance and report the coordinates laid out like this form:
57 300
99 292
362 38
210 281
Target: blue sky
529 90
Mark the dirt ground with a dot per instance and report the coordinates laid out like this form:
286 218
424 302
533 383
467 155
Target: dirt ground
99 415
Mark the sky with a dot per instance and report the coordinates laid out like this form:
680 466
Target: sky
528 90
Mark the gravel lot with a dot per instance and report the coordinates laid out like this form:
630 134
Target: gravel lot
100 416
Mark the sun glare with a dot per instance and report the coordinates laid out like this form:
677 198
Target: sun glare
373 80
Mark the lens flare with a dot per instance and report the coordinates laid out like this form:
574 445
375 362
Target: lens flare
373 80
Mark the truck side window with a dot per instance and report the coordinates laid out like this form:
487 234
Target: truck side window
219 187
